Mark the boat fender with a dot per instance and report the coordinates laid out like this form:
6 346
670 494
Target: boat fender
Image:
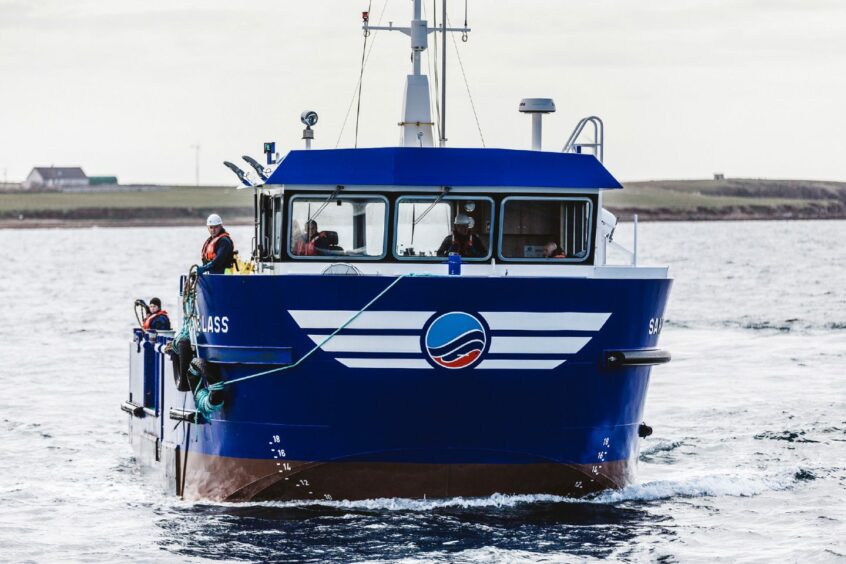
181 354
644 430
208 398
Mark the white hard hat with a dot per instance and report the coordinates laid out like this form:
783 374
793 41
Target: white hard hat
461 219
213 220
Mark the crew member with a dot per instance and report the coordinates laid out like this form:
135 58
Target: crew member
461 240
218 250
552 250
157 320
311 242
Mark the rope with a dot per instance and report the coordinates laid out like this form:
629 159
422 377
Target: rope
202 399
467 85
357 86
202 394
139 307
361 78
189 309
434 72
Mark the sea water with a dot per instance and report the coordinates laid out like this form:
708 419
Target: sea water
747 462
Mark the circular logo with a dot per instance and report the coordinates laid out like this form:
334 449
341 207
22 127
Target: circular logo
455 340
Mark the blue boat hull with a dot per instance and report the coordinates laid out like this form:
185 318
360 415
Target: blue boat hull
529 406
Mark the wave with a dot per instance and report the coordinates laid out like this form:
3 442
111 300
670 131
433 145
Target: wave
713 485
659 451
789 436
716 485
460 346
777 326
661 446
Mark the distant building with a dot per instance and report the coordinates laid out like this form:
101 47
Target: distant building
67 179
56 177
719 176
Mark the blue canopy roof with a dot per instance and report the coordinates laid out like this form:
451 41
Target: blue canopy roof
407 166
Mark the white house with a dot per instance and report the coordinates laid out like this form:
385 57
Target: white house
55 177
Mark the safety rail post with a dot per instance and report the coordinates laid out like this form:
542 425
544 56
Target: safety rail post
634 250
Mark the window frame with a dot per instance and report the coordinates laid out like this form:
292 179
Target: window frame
575 260
342 197
437 259
277 220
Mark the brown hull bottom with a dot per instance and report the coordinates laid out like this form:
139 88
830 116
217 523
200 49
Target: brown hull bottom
235 479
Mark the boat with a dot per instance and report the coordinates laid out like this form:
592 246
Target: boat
415 321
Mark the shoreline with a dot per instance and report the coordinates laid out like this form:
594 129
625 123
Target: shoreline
188 217
666 200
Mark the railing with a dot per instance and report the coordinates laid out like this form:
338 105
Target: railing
608 224
573 146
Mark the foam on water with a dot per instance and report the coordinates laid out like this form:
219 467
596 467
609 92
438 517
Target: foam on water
713 485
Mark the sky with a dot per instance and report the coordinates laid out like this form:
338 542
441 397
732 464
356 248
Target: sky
686 88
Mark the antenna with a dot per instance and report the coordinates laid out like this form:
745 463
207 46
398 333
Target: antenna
537 107
196 148
444 73
416 114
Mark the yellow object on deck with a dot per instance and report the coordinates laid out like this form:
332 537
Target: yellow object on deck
241 267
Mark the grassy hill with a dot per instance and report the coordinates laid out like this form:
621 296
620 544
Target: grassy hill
727 199
150 205
732 198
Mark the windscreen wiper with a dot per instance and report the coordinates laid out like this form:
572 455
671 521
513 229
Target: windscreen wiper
440 197
325 203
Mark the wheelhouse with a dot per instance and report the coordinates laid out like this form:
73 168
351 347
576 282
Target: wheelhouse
529 208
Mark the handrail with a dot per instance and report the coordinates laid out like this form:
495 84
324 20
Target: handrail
598 144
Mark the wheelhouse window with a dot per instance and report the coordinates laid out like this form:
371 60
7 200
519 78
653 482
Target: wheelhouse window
432 227
344 227
546 229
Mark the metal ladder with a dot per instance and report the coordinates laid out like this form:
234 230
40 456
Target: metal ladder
571 146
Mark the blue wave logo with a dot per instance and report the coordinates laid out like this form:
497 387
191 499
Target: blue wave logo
455 340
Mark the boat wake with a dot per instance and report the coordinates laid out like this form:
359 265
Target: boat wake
713 485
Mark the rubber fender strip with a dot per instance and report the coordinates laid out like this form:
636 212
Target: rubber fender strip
636 357
132 408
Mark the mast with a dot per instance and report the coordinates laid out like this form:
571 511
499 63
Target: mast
416 121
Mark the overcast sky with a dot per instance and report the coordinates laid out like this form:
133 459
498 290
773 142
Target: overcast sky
750 88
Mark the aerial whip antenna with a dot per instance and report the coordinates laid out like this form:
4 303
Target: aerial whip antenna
443 74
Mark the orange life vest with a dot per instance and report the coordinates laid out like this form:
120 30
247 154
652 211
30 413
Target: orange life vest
306 248
209 252
148 321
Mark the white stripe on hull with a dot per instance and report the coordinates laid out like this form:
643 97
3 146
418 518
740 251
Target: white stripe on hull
401 363
537 345
534 321
369 343
317 319
503 364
